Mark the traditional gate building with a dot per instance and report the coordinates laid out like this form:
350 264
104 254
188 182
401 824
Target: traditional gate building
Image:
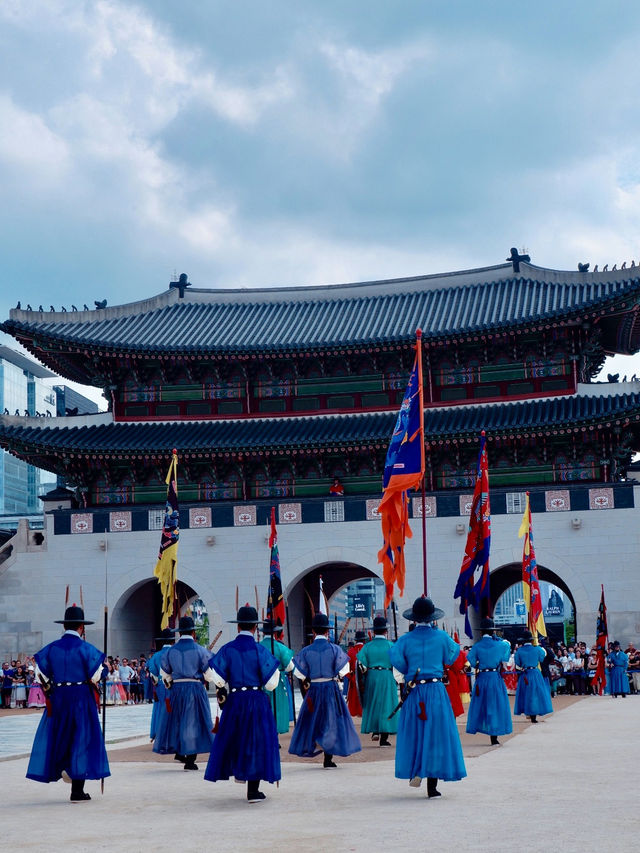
269 394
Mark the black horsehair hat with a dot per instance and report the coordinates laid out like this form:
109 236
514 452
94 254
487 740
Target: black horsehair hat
269 628
360 636
487 624
246 615
320 620
380 624
185 625
73 615
423 610
526 637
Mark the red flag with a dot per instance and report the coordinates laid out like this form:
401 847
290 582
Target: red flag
275 600
530 583
602 636
403 470
476 552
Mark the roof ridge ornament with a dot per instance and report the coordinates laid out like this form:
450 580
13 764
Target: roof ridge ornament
515 257
182 283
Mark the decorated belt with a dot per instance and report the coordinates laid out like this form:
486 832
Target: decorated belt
489 669
69 683
387 668
237 689
182 680
428 680
320 680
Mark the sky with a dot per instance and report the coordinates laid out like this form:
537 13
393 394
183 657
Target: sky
254 144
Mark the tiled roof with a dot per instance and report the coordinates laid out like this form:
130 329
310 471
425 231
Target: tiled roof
317 431
365 314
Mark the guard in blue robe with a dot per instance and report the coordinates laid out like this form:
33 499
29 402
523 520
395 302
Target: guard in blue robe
246 745
489 711
186 728
428 743
324 723
618 663
532 693
69 738
159 707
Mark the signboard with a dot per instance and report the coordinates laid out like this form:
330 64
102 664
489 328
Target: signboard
360 606
520 607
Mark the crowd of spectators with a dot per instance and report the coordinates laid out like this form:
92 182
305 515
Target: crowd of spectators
128 682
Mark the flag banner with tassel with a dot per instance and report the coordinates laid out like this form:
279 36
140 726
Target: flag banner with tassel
323 604
530 583
403 470
476 552
276 610
599 680
166 569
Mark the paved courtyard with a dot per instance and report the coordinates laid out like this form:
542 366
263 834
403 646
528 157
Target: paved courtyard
567 783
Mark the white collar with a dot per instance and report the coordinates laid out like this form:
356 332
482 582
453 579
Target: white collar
71 631
321 637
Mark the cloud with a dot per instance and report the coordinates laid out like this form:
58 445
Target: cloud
28 145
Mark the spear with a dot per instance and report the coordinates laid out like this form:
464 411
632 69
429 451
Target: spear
290 675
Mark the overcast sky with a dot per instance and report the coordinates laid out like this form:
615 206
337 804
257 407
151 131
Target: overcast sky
271 143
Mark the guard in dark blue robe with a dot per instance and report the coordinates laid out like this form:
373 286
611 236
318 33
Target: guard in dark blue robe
246 745
186 728
489 711
159 695
532 693
428 743
618 663
324 723
69 742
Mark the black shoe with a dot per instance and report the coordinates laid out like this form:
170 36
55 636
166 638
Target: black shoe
191 766
494 740
384 740
256 797
432 790
180 758
328 761
375 736
534 718
81 797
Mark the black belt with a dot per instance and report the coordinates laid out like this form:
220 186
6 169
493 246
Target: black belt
387 668
428 680
69 683
238 689
490 669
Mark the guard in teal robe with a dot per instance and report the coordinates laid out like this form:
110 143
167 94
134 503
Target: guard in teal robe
380 689
279 698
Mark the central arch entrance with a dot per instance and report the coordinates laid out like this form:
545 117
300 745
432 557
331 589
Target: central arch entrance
305 590
136 618
506 594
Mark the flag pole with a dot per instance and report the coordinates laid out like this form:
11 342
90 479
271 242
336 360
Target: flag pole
424 484
104 646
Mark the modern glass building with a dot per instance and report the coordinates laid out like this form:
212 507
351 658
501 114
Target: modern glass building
26 388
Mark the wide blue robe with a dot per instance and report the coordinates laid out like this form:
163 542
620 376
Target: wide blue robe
489 711
246 745
619 680
186 729
70 738
428 743
532 693
324 722
159 694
